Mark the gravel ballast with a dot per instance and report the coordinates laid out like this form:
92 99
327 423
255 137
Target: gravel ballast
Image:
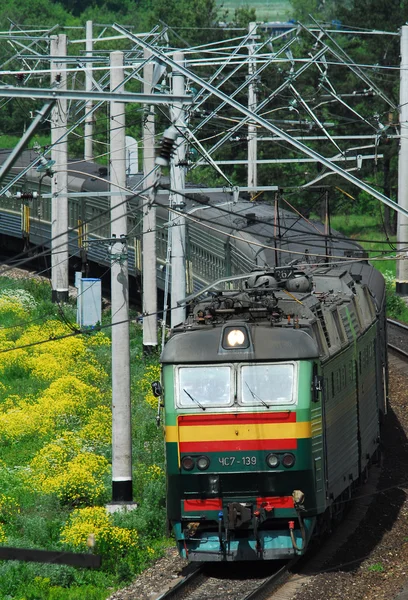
373 564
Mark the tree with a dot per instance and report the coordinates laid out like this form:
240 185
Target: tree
194 21
243 15
33 13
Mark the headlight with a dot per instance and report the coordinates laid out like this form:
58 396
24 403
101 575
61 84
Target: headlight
203 462
187 463
288 460
235 337
272 460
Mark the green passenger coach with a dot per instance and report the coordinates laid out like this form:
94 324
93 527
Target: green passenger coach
273 397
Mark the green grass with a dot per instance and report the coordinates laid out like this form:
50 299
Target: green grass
266 10
376 568
367 227
9 141
361 228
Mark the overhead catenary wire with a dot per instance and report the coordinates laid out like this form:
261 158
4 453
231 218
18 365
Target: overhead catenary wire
326 62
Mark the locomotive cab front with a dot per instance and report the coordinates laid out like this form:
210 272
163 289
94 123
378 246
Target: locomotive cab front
243 440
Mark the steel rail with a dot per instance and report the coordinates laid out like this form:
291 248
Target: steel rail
272 582
267 586
395 349
398 350
181 585
397 324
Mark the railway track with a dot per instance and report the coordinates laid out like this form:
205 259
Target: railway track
243 582
398 337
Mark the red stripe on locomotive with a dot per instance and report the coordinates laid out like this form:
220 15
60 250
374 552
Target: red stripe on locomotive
208 504
237 445
275 502
237 419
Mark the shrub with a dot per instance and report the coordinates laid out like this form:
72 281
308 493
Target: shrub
18 297
143 385
396 306
66 402
94 526
8 508
63 468
3 537
97 433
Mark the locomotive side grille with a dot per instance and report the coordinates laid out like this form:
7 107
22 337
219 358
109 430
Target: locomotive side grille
319 315
346 324
354 319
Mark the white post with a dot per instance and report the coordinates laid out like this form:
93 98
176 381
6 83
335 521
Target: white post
177 182
59 183
121 409
149 221
252 104
132 156
88 150
402 226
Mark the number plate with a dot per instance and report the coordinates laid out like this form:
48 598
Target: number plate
246 461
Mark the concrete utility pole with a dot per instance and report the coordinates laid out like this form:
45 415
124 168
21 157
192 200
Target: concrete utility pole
402 223
177 182
121 409
59 182
149 220
89 121
252 104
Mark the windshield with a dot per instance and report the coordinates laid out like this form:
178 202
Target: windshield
267 384
204 386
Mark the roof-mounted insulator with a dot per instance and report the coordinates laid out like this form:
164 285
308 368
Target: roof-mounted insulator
166 146
28 196
45 166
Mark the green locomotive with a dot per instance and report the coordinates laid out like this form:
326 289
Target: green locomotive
273 396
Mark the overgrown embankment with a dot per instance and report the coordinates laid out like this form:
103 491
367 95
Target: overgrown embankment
55 435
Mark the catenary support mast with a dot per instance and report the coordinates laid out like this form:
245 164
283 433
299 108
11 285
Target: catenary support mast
149 220
121 410
402 227
59 182
89 119
177 183
252 101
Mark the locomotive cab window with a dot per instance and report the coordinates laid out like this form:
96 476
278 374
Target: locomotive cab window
267 384
202 386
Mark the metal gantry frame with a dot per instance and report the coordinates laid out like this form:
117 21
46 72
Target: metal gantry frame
227 62
267 125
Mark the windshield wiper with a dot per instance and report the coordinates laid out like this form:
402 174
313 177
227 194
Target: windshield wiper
255 397
193 399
